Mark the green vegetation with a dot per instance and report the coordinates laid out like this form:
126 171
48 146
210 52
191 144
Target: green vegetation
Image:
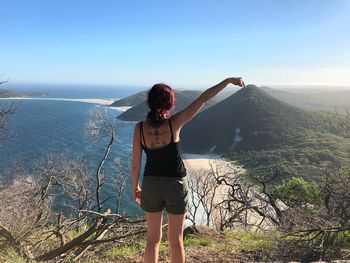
6 93
307 156
164 248
71 234
198 241
251 241
273 135
262 120
10 256
134 249
235 240
297 191
122 251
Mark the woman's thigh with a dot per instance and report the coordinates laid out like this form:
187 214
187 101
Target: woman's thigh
154 226
176 223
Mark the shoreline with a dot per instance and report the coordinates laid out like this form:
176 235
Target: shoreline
196 164
200 166
103 102
199 161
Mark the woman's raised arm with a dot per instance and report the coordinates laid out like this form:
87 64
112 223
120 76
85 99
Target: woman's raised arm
185 115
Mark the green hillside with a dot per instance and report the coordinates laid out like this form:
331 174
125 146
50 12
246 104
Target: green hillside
264 133
251 114
7 93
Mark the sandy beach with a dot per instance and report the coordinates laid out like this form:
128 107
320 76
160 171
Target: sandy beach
198 161
121 108
104 102
200 167
95 101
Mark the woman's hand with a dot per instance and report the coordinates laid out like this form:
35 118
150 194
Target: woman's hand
237 81
137 195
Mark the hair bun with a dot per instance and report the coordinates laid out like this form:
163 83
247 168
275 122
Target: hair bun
156 117
160 100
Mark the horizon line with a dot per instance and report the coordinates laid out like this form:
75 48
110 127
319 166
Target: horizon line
181 84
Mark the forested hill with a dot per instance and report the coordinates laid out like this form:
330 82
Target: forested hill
264 134
182 99
6 93
249 119
131 100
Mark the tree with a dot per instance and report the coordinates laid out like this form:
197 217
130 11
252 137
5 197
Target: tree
297 191
5 113
313 216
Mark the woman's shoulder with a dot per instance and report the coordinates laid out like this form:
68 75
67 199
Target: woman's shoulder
137 126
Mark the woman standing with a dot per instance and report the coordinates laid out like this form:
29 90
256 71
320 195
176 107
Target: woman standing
165 184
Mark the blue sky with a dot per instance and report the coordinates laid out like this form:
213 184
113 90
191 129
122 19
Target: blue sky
183 43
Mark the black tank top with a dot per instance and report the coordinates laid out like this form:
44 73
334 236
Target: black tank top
165 161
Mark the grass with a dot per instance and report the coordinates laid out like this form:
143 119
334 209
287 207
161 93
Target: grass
71 234
163 248
235 241
134 249
122 251
198 241
10 256
251 241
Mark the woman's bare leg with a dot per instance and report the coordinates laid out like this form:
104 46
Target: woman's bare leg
154 236
176 225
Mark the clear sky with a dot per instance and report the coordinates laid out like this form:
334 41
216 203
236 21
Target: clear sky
268 42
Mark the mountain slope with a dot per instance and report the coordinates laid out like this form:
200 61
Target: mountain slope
316 100
182 99
140 97
131 100
250 119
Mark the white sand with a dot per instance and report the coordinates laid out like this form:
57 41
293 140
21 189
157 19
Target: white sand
121 108
199 166
198 161
104 102
95 101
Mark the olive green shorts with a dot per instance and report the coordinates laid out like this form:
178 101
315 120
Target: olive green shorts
169 192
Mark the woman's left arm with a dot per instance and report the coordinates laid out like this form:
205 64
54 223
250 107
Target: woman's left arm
136 164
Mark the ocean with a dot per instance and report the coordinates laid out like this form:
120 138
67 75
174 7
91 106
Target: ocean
55 126
73 91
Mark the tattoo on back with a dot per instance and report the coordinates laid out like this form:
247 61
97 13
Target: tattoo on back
156 135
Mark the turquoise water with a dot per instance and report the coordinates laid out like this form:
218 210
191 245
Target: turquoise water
49 126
